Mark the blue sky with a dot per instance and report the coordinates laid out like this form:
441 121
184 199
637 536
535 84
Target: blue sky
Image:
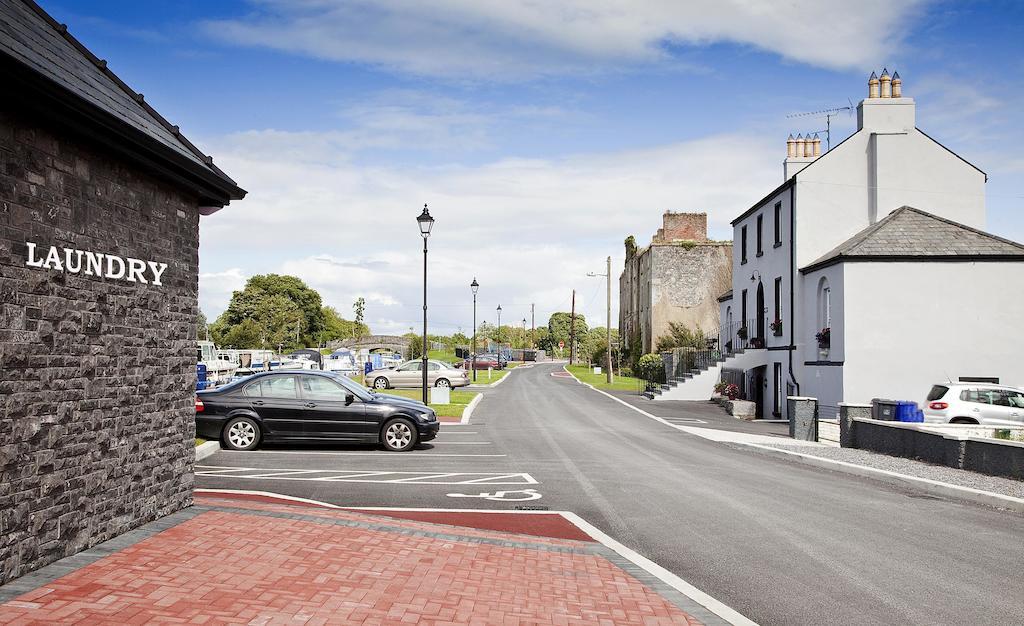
541 134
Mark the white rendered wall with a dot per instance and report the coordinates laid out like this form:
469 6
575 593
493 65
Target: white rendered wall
870 175
774 262
822 381
910 325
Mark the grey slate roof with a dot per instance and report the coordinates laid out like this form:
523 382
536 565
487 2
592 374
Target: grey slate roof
911 233
33 38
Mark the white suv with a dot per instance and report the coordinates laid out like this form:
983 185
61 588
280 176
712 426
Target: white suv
975 403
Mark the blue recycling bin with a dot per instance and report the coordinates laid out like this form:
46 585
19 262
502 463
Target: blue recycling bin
908 412
201 376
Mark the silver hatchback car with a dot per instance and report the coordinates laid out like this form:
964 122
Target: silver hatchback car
975 403
410 374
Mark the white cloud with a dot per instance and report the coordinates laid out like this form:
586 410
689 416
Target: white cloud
512 39
528 229
215 289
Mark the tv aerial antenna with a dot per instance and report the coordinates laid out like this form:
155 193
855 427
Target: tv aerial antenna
828 114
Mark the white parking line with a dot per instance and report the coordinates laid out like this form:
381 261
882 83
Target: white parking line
459 443
393 455
381 477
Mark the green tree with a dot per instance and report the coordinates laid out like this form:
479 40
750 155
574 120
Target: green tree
278 305
202 326
336 327
681 336
415 345
360 309
248 334
558 330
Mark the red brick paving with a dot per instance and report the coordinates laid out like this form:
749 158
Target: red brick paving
240 568
536 524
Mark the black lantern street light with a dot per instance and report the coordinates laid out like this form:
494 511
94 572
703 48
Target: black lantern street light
426 223
498 333
475 286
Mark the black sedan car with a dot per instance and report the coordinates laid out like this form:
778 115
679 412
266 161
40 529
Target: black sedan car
309 406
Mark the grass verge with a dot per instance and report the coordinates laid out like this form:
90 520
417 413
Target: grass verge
621 383
460 400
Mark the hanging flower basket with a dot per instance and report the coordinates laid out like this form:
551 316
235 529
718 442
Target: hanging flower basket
742 332
776 327
824 337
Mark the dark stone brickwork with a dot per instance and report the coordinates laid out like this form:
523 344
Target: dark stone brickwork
96 375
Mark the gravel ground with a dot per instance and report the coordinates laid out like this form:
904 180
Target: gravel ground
911 467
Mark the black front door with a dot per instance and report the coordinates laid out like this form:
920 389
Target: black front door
757 381
328 413
276 400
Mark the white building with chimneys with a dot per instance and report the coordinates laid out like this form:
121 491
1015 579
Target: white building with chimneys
867 272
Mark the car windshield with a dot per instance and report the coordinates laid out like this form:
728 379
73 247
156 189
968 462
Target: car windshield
350 385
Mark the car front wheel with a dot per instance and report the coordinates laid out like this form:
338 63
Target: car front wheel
398 435
380 383
242 433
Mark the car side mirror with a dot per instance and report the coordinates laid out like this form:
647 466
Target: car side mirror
349 399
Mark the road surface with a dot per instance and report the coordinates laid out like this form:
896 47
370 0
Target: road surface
779 542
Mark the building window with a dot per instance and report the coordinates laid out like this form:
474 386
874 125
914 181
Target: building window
743 308
778 224
760 230
824 311
777 390
778 298
743 247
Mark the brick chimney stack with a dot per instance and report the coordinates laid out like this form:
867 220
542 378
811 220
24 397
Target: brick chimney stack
682 227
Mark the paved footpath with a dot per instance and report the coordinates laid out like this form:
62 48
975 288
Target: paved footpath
242 561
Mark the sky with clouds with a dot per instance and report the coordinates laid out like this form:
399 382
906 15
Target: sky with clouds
541 134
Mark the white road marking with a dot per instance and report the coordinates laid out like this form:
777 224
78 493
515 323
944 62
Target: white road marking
459 443
502 496
685 420
381 476
393 455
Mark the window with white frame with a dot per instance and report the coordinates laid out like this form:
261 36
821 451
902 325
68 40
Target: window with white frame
824 305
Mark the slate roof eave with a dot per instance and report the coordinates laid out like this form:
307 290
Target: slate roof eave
856 247
163 139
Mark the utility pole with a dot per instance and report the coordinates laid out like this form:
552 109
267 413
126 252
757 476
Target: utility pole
532 327
572 331
608 326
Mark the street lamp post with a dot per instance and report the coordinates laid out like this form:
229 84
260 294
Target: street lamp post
475 286
608 324
524 336
426 223
498 329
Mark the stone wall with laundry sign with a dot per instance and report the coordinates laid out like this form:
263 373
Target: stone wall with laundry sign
98 289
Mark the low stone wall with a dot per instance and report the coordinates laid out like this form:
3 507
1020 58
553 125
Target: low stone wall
929 443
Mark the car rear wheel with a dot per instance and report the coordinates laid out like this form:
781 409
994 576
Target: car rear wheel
442 382
380 383
242 433
398 435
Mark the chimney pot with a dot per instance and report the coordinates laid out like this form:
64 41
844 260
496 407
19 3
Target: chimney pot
897 85
817 146
886 84
873 86
790 146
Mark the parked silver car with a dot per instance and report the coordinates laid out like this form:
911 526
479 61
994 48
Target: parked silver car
410 374
975 403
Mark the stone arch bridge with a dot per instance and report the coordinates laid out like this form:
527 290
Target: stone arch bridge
393 343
